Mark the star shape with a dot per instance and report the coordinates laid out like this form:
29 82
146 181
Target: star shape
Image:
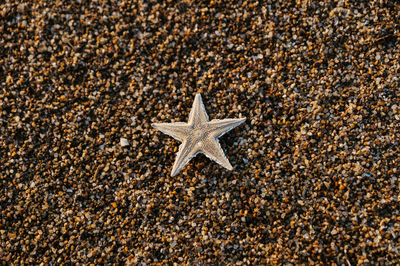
199 135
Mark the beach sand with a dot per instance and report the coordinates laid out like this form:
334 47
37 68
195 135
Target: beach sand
84 178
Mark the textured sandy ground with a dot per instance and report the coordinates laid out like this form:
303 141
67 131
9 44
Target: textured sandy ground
316 164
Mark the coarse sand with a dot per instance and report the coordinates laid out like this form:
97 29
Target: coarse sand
84 178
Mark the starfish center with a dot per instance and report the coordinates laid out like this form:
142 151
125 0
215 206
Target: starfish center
199 134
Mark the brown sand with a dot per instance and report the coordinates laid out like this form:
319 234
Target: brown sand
316 165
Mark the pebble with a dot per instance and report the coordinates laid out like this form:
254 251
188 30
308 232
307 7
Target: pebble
124 142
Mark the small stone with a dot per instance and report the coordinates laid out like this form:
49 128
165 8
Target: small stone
124 142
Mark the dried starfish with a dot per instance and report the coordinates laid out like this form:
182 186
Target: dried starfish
199 135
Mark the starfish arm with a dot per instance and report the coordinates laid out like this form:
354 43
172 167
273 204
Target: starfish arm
212 149
198 114
217 127
176 130
187 150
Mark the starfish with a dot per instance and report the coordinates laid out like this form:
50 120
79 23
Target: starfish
199 135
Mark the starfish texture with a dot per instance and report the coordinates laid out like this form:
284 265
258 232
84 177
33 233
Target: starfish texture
199 135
